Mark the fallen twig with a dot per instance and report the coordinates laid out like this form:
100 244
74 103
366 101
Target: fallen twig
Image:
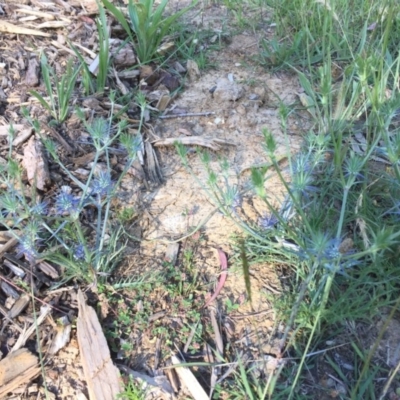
200 114
222 278
6 27
211 143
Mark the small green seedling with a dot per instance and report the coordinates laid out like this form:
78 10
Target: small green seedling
57 104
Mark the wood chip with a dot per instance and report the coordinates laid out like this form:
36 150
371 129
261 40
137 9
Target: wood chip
64 4
35 12
22 137
62 337
193 70
122 54
163 102
84 160
22 379
35 163
124 90
89 6
15 364
44 312
171 254
62 47
32 74
100 373
54 24
153 167
9 245
19 305
59 137
188 379
48 269
6 27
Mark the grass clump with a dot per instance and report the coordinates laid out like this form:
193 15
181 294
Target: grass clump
57 104
309 32
146 26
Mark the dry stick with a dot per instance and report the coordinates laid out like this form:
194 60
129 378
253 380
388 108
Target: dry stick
200 114
255 314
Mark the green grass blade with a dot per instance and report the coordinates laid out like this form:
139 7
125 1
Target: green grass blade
42 101
117 13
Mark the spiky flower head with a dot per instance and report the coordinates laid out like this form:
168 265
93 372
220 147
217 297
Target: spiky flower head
40 208
268 221
30 241
79 252
103 184
67 203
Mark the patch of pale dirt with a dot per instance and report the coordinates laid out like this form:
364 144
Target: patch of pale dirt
238 121
244 100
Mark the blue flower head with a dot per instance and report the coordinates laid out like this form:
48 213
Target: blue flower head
27 248
66 202
29 241
79 252
268 221
103 184
302 184
327 251
39 208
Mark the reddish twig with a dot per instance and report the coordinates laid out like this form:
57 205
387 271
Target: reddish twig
224 273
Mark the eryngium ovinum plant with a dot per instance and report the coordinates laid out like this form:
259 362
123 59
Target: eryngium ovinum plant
53 229
339 216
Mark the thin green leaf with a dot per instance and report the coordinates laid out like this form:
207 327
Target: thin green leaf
117 13
42 101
